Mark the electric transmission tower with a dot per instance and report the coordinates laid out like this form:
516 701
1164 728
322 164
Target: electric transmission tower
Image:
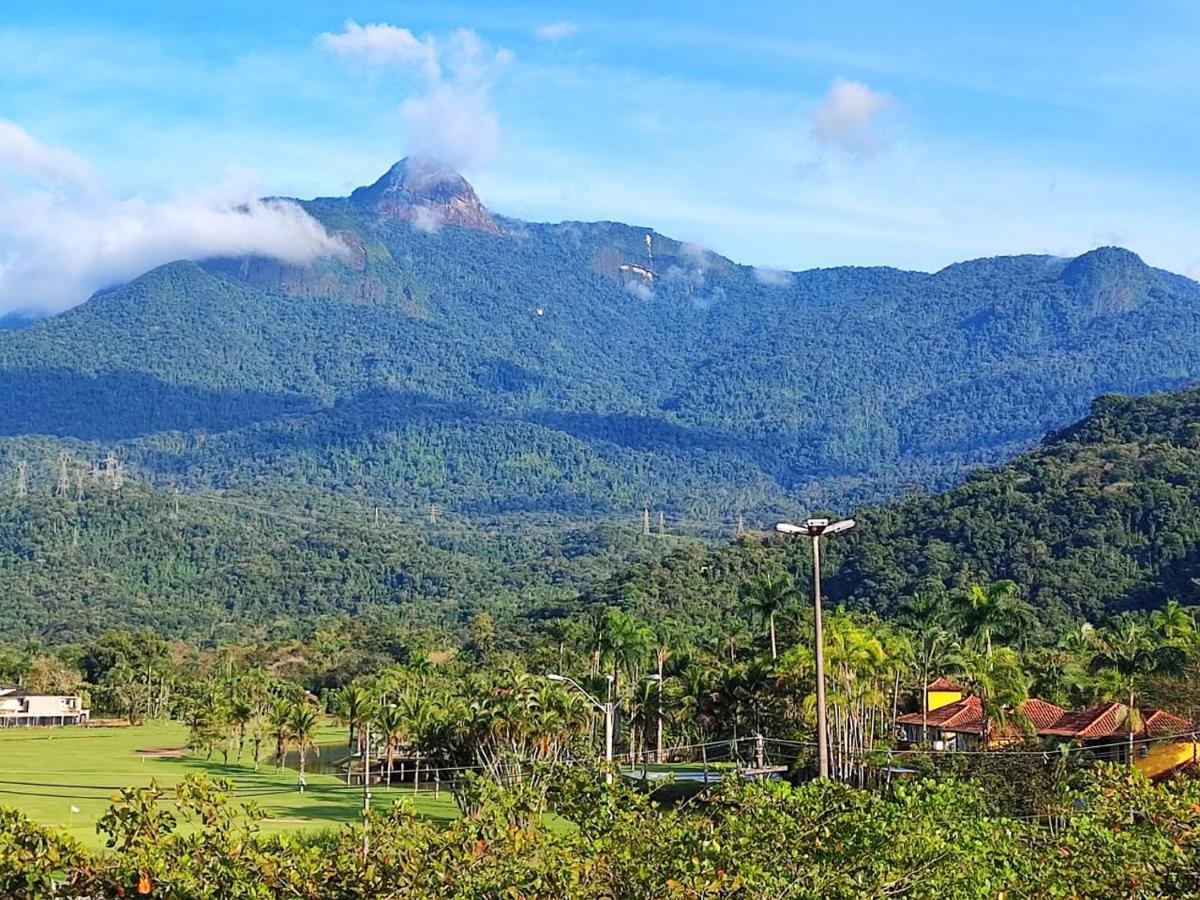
22 478
64 475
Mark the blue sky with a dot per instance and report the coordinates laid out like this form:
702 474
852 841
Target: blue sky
787 135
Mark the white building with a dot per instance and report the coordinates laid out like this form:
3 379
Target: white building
20 707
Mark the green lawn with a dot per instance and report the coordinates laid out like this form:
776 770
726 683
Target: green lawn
46 771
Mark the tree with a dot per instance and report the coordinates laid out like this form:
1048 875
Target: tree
625 643
302 723
1000 683
280 724
241 712
389 723
992 612
927 618
1128 647
352 708
768 595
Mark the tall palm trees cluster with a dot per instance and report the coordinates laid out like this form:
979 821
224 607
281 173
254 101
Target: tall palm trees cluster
495 712
226 713
497 723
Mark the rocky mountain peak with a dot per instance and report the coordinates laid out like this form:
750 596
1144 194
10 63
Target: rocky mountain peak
427 195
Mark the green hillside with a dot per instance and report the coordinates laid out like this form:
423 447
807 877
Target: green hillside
1100 518
497 366
219 567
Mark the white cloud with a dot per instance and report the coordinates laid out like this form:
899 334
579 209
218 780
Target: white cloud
452 125
555 31
382 45
62 238
697 262
772 277
451 120
427 219
846 115
23 152
640 290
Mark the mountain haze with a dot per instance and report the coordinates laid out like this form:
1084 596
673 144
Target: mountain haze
457 357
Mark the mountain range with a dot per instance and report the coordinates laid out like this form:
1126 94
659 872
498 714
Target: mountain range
456 357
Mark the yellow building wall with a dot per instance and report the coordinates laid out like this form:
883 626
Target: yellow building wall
1164 756
938 699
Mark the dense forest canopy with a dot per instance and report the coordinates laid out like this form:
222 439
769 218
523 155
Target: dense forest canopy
1098 519
495 366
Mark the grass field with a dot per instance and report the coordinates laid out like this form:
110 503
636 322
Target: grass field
46 771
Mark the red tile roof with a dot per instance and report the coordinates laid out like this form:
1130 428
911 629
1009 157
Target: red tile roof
1105 720
943 684
1041 713
1160 723
965 716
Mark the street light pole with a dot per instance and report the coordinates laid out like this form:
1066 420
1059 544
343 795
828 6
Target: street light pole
816 528
818 628
609 715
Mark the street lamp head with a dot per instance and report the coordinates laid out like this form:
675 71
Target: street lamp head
654 676
554 677
815 527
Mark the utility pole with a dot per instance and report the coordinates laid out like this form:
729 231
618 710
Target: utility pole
658 739
22 478
366 798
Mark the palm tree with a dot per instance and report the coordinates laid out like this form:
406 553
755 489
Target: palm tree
302 723
1128 647
1000 683
991 612
625 642
240 714
280 723
389 722
351 709
768 595
1173 622
926 617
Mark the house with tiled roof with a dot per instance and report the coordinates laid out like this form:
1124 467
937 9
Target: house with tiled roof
962 725
1160 741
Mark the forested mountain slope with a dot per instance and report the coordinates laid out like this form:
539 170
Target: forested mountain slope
457 357
1101 517
209 567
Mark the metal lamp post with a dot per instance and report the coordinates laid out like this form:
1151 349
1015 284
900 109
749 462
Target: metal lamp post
606 708
816 529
